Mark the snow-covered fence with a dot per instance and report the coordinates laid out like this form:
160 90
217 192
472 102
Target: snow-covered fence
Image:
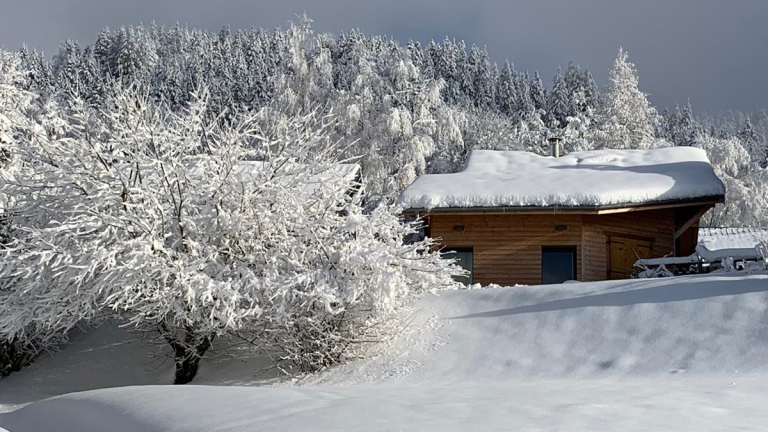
719 248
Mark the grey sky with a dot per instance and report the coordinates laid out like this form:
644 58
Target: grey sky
711 51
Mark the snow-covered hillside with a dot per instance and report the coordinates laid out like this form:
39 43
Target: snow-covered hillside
677 354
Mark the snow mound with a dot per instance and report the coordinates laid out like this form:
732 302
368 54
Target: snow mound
591 178
659 405
676 354
644 327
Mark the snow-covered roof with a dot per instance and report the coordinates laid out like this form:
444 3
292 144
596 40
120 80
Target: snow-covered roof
738 243
598 178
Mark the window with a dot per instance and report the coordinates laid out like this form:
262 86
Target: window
465 259
558 264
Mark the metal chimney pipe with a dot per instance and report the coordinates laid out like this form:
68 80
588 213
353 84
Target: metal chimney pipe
554 143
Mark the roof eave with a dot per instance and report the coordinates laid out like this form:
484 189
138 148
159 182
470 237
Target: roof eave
563 209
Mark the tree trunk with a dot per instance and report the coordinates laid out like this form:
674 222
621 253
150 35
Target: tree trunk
187 354
14 356
186 367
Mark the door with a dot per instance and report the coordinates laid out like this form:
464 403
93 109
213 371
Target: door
623 253
558 264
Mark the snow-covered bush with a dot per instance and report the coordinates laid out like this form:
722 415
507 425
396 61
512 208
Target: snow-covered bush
347 274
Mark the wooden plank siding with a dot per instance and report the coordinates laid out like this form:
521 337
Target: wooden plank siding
507 248
655 226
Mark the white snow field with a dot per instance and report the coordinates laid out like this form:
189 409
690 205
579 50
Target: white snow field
678 354
591 178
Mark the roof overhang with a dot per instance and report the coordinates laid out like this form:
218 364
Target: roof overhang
564 209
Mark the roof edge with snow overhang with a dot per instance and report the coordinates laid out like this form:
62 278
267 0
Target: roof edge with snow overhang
592 182
563 209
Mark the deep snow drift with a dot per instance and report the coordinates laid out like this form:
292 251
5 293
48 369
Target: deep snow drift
684 353
590 178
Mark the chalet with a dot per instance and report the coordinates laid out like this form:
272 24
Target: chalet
520 218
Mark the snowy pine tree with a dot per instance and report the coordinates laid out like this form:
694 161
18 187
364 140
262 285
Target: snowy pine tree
559 106
629 120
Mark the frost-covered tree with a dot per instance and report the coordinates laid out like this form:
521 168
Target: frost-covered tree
507 92
680 126
629 120
15 352
559 104
526 108
537 93
165 221
381 93
483 78
745 201
752 143
13 102
113 215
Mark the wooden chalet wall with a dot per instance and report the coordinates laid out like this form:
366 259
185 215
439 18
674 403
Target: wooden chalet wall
657 227
507 247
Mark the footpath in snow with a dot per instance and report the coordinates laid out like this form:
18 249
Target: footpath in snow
676 354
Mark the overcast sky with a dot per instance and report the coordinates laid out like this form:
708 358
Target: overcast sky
711 51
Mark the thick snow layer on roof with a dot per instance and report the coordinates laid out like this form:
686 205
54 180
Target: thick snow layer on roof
592 178
738 243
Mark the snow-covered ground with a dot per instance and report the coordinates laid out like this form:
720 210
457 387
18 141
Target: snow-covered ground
686 353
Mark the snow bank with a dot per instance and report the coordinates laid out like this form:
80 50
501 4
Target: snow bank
668 404
592 178
738 243
676 354
702 324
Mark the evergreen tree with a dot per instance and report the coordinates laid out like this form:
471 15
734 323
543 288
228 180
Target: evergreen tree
629 121
682 127
559 107
751 142
525 104
537 92
481 74
591 93
507 93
